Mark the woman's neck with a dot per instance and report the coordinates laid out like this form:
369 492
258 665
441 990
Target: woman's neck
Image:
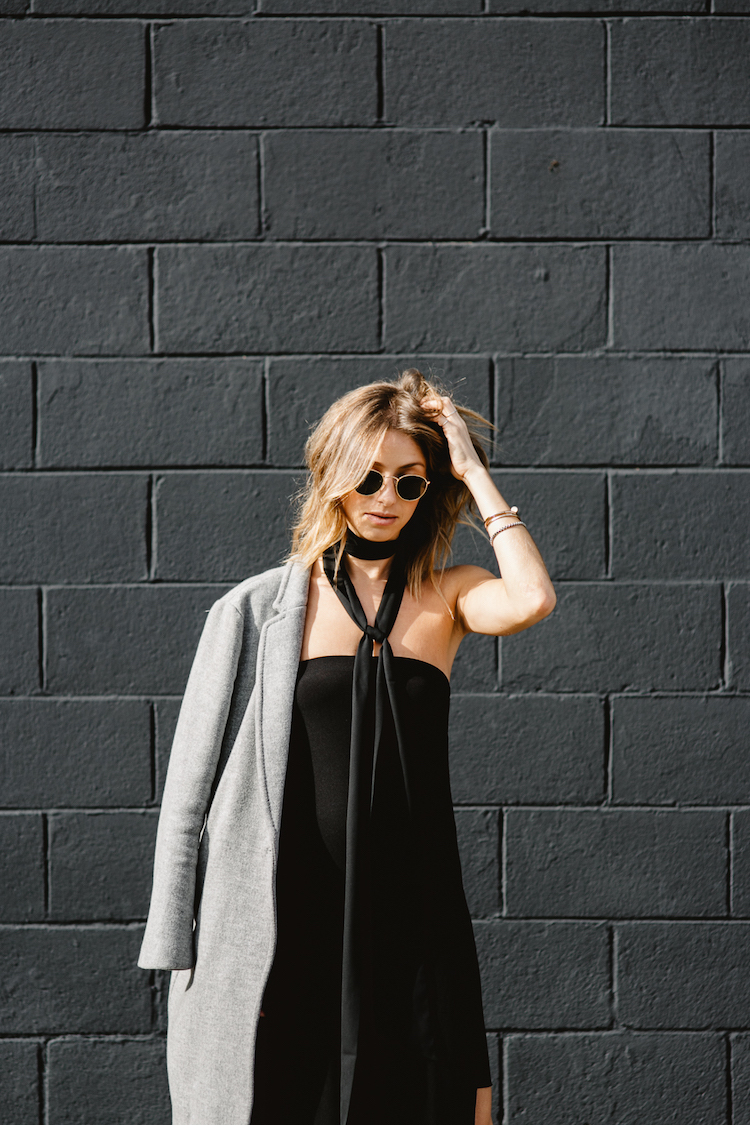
374 570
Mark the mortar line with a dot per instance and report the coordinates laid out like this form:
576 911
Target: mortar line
503 862
45 1084
41 603
380 72
34 185
614 954
608 751
150 255
261 180
148 530
499 1110
607 73
154 300
34 415
265 406
505 1085
711 185
153 513
608 524
720 411
152 748
611 969
610 298
46 863
40 1073
381 298
725 661
492 377
730 1090
730 861
487 159
148 101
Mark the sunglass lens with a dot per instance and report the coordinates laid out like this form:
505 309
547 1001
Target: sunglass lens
411 487
372 483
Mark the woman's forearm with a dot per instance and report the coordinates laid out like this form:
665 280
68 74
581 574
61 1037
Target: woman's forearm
521 566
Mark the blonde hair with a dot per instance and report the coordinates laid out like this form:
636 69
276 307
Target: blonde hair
340 451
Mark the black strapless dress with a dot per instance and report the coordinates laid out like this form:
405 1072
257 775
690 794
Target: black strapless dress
298 1043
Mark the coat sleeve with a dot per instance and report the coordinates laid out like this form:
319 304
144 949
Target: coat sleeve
168 940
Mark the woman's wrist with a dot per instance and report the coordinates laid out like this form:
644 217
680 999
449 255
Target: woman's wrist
475 476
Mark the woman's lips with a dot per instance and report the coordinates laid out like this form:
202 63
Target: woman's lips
377 517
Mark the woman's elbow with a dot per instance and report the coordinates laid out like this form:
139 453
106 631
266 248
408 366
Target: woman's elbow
539 604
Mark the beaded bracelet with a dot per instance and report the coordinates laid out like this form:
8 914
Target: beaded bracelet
508 526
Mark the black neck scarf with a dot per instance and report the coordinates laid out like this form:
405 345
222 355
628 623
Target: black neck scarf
363 757
369 548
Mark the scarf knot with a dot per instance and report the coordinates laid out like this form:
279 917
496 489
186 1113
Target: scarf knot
374 634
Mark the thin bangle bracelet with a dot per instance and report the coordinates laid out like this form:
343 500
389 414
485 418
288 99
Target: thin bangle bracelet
508 512
508 526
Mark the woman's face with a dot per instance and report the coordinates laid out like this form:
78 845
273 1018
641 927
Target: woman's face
382 516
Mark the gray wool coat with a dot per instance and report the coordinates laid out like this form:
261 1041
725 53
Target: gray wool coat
212 917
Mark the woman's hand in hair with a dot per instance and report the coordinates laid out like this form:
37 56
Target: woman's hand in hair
462 452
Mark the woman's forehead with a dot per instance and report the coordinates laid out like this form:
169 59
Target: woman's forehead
398 447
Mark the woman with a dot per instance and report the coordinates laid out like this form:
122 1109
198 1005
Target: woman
307 889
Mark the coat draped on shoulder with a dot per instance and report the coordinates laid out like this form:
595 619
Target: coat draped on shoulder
212 918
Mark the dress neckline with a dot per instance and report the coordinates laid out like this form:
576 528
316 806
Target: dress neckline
411 659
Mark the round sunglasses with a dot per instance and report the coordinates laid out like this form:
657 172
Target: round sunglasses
409 487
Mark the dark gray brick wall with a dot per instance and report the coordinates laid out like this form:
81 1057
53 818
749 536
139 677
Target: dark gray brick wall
215 217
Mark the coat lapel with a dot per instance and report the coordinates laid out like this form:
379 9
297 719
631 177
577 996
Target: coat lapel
278 661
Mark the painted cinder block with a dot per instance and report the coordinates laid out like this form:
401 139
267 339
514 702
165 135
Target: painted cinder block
544 974
265 73
681 296
684 975
84 754
223 525
125 640
672 544
17 413
107 1081
19 1081
740 845
21 868
736 405
680 72
526 749
738 631
73 979
494 298
478 833
136 187
615 863
72 74
689 751
267 298
137 413
588 183
606 410
623 637
618 1076
740 1063
100 865
731 155
373 184
81 299
16 188
73 528
534 73
19 642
